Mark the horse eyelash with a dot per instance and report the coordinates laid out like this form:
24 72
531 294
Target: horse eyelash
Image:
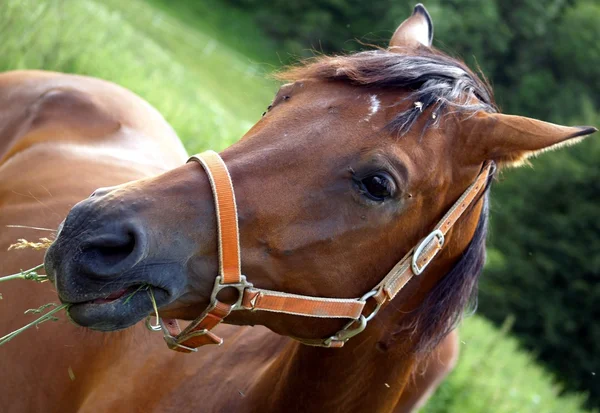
268 109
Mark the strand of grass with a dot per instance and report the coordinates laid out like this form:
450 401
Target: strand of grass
142 286
40 309
22 244
28 227
30 274
153 302
48 316
154 306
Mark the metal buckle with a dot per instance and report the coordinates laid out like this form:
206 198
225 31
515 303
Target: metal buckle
345 334
422 245
240 287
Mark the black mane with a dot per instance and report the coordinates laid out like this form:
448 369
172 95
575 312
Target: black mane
444 306
436 81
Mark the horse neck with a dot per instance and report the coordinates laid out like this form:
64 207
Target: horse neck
356 378
371 371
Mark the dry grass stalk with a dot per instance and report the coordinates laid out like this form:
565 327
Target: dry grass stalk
22 244
30 274
30 227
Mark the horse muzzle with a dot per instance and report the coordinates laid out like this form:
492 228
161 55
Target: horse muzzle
98 264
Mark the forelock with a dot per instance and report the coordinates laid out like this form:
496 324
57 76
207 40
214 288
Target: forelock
434 81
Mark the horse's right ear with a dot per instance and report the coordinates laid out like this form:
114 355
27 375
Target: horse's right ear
415 31
510 140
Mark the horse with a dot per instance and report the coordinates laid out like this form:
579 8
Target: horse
52 125
353 164
61 137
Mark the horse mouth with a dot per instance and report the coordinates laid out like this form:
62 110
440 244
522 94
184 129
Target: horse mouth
118 310
113 296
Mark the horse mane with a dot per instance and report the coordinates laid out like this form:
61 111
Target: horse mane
434 79
456 293
440 82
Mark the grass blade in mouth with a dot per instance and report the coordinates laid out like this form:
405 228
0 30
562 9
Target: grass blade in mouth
151 294
142 286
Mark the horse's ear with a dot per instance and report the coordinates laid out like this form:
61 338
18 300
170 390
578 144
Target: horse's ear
414 31
510 140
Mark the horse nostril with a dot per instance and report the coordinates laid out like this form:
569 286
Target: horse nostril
112 253
110 250
100 192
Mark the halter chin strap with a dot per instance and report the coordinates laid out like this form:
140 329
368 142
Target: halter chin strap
198 333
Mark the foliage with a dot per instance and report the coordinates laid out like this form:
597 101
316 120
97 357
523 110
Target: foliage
529 49
547 272
185 63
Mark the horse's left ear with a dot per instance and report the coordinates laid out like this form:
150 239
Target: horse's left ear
510 140
414 31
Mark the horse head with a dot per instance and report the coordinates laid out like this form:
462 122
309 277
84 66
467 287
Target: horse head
356 160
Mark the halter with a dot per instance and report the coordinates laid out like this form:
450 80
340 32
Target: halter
198 333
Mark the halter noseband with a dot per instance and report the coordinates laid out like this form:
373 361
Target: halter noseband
199 333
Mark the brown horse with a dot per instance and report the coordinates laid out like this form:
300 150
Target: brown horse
53 125
354 163
61 137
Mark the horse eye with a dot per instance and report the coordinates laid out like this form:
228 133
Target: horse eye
377 187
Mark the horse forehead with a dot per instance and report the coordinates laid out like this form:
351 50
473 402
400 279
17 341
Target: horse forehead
364 111
336 117
352 95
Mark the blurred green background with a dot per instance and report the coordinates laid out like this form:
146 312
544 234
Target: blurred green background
205 64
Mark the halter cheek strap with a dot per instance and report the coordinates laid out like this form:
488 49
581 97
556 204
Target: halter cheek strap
198 333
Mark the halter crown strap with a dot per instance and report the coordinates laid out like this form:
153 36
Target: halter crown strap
249 298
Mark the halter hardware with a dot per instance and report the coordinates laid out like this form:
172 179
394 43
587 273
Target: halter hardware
240 287
419 268
198 332
346 333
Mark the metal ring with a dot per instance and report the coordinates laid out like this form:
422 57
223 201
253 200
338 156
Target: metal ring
377 306
152 327
240 287
346 333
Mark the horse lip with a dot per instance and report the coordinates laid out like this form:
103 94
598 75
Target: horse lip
114 315
109 297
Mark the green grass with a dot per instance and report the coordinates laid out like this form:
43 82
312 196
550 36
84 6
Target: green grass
495 375
203 67
233 28
209 92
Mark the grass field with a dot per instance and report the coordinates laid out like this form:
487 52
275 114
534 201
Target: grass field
209 92
204 68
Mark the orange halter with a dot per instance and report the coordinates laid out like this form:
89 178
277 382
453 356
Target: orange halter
198 333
